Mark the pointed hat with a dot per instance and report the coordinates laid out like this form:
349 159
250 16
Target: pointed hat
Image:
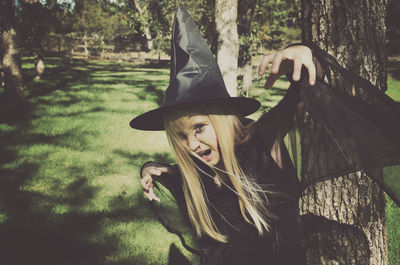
195 77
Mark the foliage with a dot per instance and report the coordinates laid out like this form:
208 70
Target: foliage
269 24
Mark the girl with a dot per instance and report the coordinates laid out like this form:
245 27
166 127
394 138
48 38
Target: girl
234 178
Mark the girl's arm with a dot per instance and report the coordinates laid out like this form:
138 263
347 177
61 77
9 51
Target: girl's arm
295 61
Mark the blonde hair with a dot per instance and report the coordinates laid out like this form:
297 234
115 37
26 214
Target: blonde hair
229 131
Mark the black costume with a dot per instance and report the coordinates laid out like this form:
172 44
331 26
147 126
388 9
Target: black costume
360 130
245 246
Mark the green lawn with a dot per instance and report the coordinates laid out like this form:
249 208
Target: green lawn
70 191
69 183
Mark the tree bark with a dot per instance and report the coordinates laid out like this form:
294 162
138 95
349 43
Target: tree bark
228 42
13 83
348 224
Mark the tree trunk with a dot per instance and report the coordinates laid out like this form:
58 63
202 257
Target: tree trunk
13 84
85 46
146 27
228 42
349 221
34 22
39 65
12 77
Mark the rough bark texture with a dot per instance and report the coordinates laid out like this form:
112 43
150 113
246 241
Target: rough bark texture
345 217
228 42
13 83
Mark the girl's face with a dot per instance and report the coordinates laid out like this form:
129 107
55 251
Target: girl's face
198 134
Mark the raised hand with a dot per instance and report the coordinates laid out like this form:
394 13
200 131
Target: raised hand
287 60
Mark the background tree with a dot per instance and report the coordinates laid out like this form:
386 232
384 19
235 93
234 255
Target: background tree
89 19
34 28
13 82
143 17
355 206
264 25
228 42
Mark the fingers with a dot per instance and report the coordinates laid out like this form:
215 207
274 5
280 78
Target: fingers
276 62
290 59
297 65
312 73
151 196
154 171
264 63
147 181
147 184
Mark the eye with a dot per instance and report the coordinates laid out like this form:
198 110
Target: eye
198 128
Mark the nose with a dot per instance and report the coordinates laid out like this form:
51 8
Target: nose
193 142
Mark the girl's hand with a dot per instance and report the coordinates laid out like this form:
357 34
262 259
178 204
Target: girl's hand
147 180
290 59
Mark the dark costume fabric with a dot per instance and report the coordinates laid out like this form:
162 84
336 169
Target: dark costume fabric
361 130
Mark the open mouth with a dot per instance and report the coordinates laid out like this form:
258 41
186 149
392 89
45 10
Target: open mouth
205 153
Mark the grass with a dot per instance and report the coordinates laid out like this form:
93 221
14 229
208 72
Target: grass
69 182
70 191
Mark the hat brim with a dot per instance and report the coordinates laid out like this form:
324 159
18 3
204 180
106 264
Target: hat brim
153 119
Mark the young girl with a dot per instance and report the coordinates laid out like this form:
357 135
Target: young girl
234 178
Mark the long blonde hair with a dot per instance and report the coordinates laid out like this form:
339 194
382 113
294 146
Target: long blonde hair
229 131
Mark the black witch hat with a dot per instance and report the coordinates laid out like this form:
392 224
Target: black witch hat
195 77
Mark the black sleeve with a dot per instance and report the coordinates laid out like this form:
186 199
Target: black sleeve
359 125
273 125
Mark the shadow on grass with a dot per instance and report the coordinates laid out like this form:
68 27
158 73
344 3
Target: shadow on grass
45 224
153 94
32 232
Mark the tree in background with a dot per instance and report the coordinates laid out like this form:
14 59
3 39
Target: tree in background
264 25
89 21
34 28
356 233
13 82
143 17
228 42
